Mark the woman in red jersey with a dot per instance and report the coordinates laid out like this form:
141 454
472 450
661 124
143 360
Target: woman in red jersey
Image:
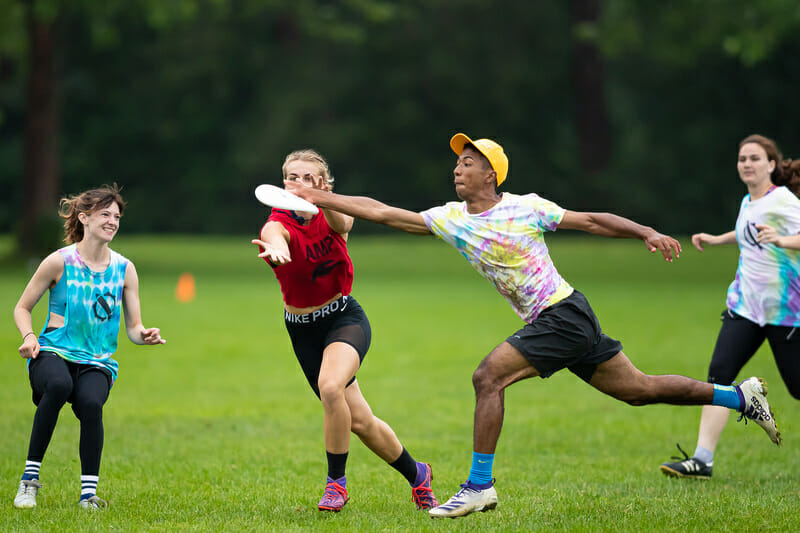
329 331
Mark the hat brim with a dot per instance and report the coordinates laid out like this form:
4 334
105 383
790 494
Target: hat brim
458 142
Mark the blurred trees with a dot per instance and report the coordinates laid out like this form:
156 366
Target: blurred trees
630 106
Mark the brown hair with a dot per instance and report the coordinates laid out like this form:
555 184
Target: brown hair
86 202
786 172
312 157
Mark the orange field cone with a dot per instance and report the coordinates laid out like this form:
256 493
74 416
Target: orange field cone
184 291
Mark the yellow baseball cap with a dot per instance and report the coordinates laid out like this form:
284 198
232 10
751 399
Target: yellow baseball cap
490 149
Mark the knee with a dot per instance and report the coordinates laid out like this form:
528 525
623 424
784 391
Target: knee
330 391
484 380
88 409
59 389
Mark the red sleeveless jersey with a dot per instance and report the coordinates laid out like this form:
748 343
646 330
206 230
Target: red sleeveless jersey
320 267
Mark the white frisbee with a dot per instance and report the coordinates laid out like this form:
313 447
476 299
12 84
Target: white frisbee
282 199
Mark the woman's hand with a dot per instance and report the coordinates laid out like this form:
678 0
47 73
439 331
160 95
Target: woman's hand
273 254
30 347
152 336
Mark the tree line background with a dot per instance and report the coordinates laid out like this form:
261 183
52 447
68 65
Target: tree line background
630 106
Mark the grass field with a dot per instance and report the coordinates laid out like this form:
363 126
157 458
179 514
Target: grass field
217 430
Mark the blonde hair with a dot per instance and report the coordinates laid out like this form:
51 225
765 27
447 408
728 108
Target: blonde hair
311 156
86 202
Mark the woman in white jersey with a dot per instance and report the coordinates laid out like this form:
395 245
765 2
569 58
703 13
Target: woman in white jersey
70 359
764 299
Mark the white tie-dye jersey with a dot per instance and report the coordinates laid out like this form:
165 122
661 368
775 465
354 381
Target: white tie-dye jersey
766 289
506 245
91 303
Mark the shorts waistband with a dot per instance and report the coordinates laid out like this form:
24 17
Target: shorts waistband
323 312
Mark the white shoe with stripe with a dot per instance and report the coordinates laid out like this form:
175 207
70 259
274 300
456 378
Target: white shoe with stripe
466 501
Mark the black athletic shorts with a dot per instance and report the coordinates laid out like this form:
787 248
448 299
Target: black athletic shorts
738 341
342 320
565 335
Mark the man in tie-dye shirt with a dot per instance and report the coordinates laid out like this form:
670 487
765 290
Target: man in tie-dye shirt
763 300
501 235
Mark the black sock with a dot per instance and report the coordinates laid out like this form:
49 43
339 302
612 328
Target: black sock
406 465
336 464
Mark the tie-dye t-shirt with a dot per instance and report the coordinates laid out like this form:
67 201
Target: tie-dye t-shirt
91 303
506 245
766 289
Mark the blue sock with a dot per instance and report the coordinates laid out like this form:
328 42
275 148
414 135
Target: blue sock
481 471
728 396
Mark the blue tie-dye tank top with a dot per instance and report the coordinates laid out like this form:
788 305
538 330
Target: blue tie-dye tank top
91 303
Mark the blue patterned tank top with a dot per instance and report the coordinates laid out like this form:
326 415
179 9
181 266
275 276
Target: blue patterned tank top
92 309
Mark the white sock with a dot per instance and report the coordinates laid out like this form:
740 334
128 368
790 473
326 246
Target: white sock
88 486
31 470
704 454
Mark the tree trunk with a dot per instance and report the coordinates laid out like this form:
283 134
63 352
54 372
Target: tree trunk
41 151
588 79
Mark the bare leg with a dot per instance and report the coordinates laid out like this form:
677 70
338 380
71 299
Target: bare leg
373 432
712 422
504 366
618 378
339 364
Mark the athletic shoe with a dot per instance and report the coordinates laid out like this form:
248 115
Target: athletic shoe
468 500
756 408
26 493
422 494
92 502
334 498
690 467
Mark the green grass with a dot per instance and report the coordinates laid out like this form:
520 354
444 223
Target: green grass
217 430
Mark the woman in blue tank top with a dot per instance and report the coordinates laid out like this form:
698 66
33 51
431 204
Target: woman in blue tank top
70 360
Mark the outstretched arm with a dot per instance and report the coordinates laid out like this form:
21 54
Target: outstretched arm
701 239
274 243
608 225
767 234
365 209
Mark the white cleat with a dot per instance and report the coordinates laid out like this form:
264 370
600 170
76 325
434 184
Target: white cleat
466 501
93 502
26 493
757 409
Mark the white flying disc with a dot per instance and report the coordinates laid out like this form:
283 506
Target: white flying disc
282 199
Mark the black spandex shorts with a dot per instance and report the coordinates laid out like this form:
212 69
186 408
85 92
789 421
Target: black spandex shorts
565 335
342 320
739 339
49 365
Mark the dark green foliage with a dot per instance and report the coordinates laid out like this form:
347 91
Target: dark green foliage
189 105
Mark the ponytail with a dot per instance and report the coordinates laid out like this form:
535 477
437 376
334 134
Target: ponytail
788 174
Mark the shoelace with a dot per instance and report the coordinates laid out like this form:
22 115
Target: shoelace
331 491
96 502
755 412
31 487
423 495
465 488
681 459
